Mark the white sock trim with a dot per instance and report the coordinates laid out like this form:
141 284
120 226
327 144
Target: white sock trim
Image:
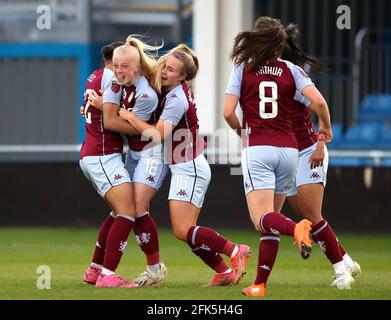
227 271
154 268
95 265
270 238
348 260
107 272
126 217
320 229
113 214
261 222
234 251
194 235
339 267
142 214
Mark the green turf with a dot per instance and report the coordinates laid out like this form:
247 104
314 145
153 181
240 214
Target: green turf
67 253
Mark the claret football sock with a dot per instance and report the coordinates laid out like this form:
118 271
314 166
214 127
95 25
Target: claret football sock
268 249
211 259
99 253
207 238
325 237
146 234
277 223
117 241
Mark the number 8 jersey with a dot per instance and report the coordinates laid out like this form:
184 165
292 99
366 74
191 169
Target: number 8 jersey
266 97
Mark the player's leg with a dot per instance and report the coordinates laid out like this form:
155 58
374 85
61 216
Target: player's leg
309 199
206 243
262 202
120 198
104 172
264 169
113 183
95 268
189 183
146 233
149 172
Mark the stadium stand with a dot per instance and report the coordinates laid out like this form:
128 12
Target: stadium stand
337 136
361 136
375 107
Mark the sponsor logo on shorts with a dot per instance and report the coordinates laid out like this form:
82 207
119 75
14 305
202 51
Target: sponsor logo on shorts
182 193
315 175
118 177
151 178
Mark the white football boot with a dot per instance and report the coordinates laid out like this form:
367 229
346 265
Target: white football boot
342 280
354 270
147 278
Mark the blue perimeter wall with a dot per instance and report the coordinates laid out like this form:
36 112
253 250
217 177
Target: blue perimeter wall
87 55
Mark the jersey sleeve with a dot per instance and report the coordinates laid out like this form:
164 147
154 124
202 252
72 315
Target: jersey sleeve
174 110
235 81
146 103
302 80
300 98
112 91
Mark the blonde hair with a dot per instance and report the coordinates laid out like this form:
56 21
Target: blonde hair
147 58
186 55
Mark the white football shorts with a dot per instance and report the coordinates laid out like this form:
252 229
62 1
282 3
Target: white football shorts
147 166
269 167
306 175
104 172
190 181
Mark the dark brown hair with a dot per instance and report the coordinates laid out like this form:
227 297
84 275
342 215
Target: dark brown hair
256 47
107 50
295 54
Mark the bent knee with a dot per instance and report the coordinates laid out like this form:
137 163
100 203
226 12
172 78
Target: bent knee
141 206
180 232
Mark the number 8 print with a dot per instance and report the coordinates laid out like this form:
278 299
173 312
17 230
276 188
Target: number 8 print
263 100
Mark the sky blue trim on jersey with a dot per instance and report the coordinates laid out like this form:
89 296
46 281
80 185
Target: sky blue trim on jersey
83 52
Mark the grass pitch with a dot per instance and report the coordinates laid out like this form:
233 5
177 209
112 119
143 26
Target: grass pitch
68 251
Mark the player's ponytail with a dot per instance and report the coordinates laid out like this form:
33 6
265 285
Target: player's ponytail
189 60
256 47
183 53
147 58
295 54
